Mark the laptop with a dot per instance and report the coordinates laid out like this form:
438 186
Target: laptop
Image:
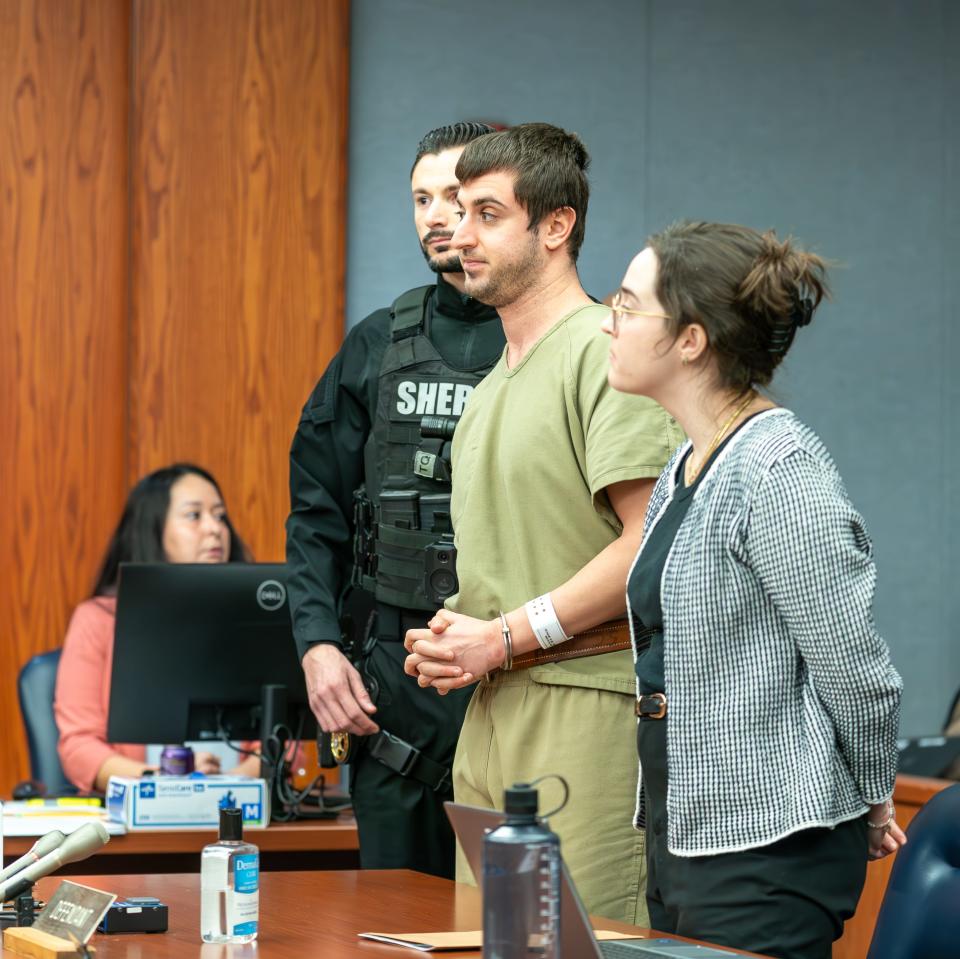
928 755
577 938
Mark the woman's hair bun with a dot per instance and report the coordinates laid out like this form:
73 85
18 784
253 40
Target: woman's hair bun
749 290
782 276
783 288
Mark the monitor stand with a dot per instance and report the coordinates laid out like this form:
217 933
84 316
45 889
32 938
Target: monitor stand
273 746
275 769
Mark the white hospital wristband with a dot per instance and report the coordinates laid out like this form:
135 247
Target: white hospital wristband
544 623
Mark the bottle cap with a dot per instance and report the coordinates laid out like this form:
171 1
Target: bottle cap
231 825
520 800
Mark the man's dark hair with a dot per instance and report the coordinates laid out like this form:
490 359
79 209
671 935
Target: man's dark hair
138 537
450 136
550 166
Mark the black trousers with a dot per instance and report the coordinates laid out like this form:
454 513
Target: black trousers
400 821
788 899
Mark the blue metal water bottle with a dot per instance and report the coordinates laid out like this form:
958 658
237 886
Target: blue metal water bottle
521 883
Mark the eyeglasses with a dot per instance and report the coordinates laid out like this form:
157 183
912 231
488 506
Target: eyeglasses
618 313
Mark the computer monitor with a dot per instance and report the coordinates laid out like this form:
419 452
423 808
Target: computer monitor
195 646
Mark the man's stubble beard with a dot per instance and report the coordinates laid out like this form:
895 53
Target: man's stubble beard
512 280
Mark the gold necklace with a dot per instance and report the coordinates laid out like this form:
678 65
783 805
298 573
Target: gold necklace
691 479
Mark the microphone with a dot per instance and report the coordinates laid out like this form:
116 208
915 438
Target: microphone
41 847
78 845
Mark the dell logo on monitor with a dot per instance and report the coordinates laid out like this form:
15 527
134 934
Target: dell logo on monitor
271 595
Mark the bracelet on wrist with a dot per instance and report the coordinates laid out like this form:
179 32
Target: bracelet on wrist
888 822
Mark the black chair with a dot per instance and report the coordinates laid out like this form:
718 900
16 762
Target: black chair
36 685
920 915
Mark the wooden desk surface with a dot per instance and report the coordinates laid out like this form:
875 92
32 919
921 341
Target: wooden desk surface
301 914
309 844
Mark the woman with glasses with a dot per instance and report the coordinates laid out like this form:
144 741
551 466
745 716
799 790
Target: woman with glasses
767 703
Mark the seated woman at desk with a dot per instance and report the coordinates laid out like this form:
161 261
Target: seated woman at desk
173 515
768 704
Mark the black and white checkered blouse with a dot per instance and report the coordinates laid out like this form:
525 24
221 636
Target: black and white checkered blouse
783 703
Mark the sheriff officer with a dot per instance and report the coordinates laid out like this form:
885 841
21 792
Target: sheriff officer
370 493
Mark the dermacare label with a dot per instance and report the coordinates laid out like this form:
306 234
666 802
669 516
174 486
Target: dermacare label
244 903
246 873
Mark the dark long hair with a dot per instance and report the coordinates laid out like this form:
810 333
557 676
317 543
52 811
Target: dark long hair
138 537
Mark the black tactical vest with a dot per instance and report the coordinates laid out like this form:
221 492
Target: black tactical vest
403 551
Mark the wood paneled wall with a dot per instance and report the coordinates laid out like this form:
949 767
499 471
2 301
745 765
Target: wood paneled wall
63 294
238 226
172 210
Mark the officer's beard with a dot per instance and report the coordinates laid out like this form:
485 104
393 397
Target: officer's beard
445 263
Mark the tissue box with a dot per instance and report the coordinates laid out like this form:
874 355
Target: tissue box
186 802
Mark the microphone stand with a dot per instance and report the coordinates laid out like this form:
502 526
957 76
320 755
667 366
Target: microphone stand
25 905
23 912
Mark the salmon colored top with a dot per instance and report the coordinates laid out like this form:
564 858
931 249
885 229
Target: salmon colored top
82 698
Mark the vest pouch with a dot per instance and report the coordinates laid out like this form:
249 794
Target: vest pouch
435 513
401 566
400 509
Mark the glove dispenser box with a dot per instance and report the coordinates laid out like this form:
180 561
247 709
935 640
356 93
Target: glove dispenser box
186 802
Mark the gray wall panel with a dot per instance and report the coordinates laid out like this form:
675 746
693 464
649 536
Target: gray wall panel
829 123
421 63
944 663
833 121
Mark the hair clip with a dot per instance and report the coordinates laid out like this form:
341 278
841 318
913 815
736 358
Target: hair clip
781 337
802 311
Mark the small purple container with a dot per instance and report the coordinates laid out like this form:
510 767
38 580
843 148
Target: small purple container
176 761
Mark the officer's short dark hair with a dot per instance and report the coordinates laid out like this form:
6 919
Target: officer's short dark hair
450 136
550 166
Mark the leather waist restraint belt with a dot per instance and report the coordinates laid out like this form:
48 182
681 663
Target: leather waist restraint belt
606 638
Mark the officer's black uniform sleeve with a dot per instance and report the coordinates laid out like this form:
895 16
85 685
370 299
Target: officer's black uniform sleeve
326 466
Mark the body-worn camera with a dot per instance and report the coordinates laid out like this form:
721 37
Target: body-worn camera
440 570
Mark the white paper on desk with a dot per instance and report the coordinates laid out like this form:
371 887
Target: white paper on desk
429 941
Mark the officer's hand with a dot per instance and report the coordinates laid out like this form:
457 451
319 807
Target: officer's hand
336 692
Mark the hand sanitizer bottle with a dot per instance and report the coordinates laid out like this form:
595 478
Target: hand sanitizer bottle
229 884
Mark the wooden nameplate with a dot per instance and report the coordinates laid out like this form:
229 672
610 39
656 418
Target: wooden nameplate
27 941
